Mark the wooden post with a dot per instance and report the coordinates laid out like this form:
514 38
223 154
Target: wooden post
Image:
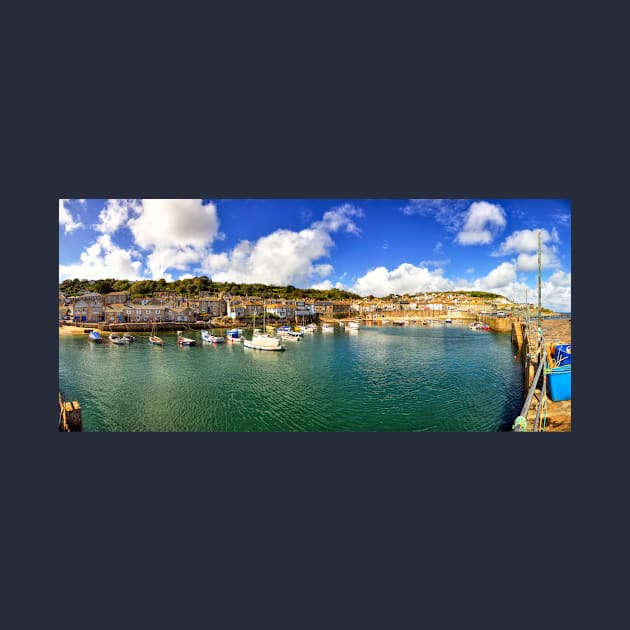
71 419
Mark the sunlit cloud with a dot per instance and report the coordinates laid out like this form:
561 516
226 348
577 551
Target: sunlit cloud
482 223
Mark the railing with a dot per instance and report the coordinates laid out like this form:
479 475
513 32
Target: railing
520 423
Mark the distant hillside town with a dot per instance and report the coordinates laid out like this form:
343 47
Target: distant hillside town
115 307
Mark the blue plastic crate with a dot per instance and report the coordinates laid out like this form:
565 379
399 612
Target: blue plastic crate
559 383
562 354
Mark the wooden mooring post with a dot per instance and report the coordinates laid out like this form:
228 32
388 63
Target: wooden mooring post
70 418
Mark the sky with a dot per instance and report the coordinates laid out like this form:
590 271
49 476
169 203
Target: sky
368 246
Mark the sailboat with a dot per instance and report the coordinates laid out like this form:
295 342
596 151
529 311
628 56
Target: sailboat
263 341
158 341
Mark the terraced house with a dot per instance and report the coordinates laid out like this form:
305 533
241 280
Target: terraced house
87 308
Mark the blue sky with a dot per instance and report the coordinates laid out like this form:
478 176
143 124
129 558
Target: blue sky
369 246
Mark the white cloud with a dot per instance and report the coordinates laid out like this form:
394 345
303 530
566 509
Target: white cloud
174 223
563 218
323 270
177 232
66 219
103 259
434 263
406 278
322 286
560 278
525 244
526 241
340 218
280 258
115 214
500 277
284 257
556 292
482 223
447 212
529 262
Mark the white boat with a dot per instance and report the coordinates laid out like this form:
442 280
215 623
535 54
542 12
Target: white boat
207 336
263 341
116 339
154 339
327 328
353 325
128 337
448 320
479 326
185 341
290 337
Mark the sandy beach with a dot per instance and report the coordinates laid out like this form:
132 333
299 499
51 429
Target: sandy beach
73 330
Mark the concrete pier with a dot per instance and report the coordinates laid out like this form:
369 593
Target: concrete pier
558 413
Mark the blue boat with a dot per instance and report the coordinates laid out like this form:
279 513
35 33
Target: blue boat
234 335
95 336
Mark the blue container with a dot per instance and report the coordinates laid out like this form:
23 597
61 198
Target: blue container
562 354
559 383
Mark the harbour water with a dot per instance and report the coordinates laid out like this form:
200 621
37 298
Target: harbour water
442 377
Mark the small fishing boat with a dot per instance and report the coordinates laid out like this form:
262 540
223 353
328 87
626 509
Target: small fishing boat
115 338
234 335
260 341
185 341
479 326
95 336
208 337
327 328
448 320
154 339
353 325
128 337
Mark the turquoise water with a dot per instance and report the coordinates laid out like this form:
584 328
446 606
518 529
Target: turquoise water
424 378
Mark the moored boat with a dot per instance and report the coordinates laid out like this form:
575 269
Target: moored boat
95 336
154 339
234 335
185 341
353 325
263 341
479 326
128 337
210 338
115 338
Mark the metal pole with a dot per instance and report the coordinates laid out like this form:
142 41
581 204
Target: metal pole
539 274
